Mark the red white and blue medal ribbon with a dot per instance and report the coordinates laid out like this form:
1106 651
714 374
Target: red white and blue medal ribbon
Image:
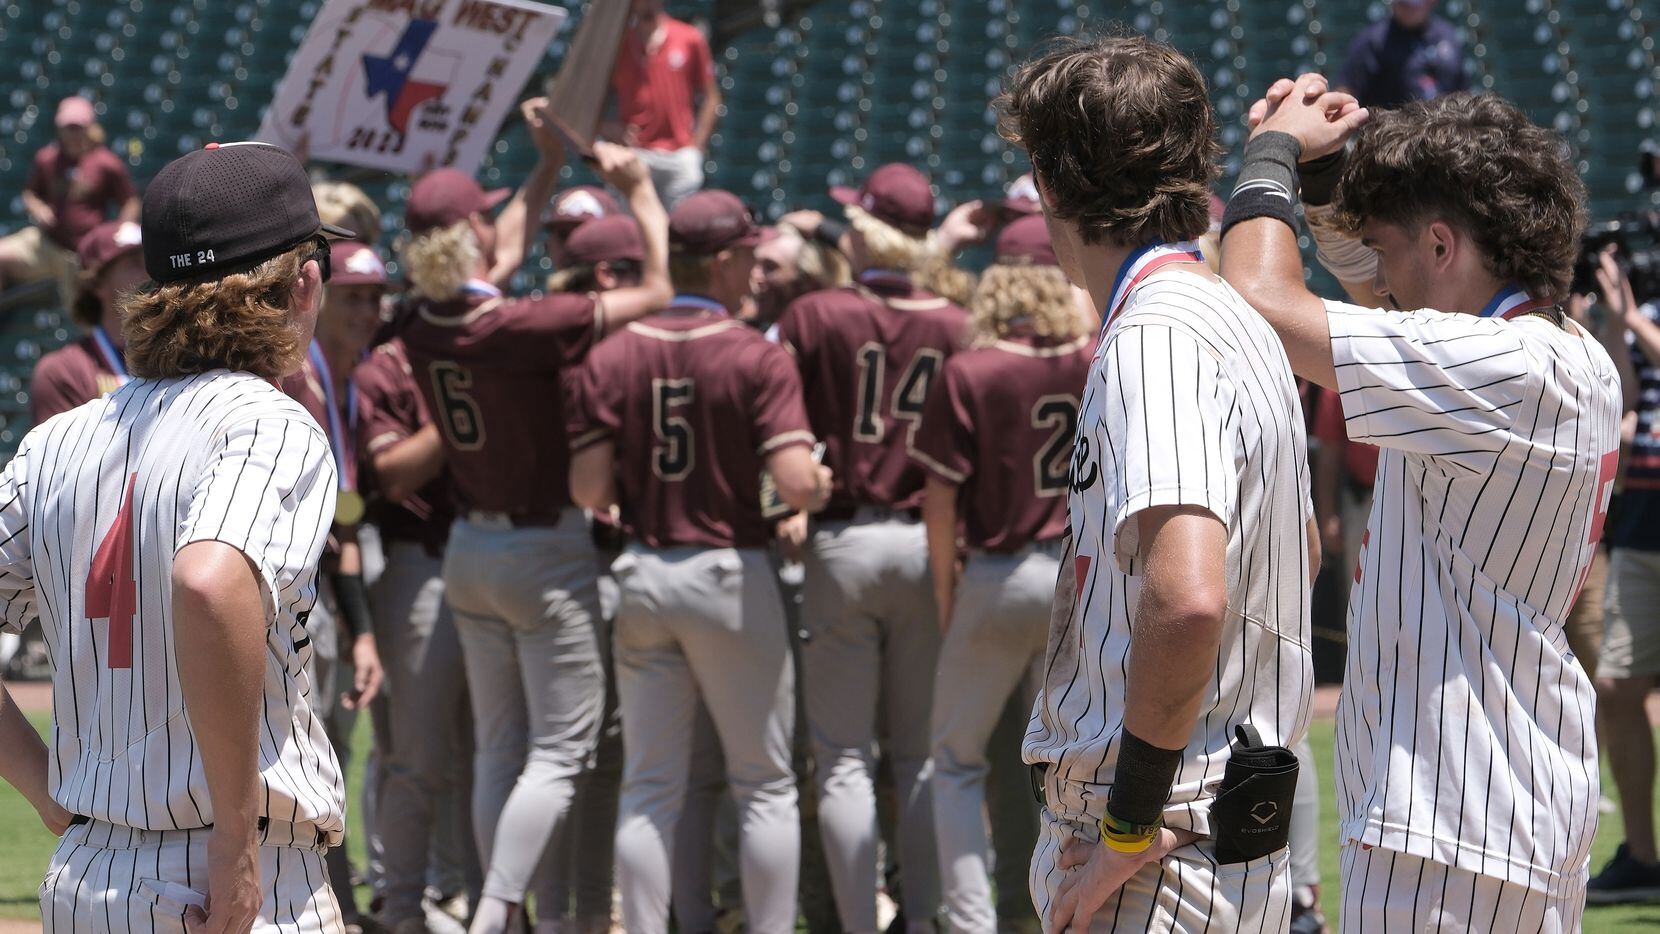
112 357
1511 302
686 303
1141 264
480 287
348 508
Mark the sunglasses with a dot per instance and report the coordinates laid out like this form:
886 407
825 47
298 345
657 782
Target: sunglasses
321 255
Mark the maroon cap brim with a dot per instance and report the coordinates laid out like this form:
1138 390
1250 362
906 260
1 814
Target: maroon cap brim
844 194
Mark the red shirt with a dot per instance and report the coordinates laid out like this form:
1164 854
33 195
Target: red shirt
1360 460
868 355
694 403
656 91
79 193
68 377
490 371
1000 424
390 409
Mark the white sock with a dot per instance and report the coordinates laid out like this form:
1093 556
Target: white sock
492 915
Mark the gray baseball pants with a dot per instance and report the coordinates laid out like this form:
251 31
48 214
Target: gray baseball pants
872 633
426 684
526 605
704 623
993 649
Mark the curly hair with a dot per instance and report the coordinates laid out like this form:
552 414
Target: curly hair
1479 164
240 322
1010 293
440 261
346 205
887 246
1121 135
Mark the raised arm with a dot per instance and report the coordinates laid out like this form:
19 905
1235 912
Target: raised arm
624 171
516 227
1260 259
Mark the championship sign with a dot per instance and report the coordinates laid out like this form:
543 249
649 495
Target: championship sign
408 85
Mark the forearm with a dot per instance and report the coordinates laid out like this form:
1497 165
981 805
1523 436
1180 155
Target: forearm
622 306
410 464
708 115
219 650
1261 261
1612 337
939 518
1646 332
516 226
23 762
593 477
131 210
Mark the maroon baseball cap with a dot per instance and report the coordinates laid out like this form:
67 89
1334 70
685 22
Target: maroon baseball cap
574 207
1027 239
708 221
895 194
75 111
447 196
353 262
107 241
606 240
1021 196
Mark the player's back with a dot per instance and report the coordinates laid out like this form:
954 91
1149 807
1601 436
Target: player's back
490 371
1001 424
695 404
868 355
109 492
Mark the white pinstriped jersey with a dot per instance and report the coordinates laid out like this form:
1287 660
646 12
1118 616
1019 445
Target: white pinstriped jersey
92 510
1465 729
1190 401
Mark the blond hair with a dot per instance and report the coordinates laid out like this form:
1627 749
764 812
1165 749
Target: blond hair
440 261
346 205
240 322
820 263
1017 293
887 246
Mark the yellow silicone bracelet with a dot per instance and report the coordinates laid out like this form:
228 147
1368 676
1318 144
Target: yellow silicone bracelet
1126 843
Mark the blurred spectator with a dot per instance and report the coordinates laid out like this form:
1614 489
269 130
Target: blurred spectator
111 264
1630 659
667 98
1413 55
73 184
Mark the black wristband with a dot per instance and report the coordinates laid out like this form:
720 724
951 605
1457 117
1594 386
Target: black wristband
829 232
1251 203
352 596
1141 780
1270 161
1319 178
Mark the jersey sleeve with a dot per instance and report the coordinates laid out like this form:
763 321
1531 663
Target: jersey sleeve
590 415
778 412
1442 385
795 332
17 573
389 405
268 491
1164 430
567 324
945 439
118 182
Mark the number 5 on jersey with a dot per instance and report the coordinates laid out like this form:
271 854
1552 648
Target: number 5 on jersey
111 593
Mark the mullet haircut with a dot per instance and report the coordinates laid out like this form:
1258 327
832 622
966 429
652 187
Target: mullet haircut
1477 163
1120 133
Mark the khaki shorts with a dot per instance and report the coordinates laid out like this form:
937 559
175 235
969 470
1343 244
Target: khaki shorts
37 258
1631 616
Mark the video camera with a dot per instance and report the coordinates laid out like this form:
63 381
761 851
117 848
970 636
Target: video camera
1636 237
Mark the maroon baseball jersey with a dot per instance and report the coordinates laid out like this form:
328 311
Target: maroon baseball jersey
490 370
306 387
390 409
1000 424
70 376
868 355
694 403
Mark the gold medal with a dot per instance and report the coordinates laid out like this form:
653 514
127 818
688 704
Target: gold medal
348 508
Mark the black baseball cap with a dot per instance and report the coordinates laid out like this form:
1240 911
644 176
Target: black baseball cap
226 208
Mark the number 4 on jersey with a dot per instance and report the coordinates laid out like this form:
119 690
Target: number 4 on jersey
111 592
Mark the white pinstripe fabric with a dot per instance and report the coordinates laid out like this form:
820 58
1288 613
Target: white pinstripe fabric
1387 892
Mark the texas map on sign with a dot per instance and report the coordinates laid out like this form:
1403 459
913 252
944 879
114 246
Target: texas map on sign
406 85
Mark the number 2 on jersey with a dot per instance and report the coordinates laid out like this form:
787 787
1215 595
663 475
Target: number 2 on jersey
1052 465
111 593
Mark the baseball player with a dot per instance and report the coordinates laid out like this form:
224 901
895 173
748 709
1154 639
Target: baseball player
401 471
519 570
996 439
1466 757
868 355
168 538
1181 616
92 367
674 419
